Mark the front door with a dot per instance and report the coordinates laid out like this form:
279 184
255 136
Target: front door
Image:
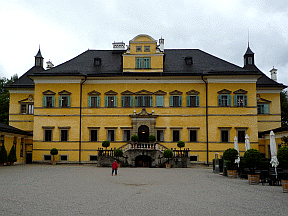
143 161
29 158
143 133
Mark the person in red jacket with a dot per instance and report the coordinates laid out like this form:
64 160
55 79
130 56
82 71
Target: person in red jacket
114 167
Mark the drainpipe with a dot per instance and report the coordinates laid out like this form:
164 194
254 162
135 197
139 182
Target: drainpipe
80 124
206 107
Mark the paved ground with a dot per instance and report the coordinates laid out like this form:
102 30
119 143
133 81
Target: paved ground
88 190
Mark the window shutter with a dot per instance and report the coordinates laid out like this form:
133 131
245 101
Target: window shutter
53 101
197 101
60 101
44 101
266 109
245 100
219 100
136 101
171 101
159 101
122 101
229 98
115 101
188 101
89 101
131 101
151 101
180 100
68 101
106 101
235 100
98 101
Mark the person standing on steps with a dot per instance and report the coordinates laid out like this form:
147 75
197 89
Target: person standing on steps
114 167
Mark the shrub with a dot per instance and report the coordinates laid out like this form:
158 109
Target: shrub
152 138
230 155
252 159
118 153
283 157
180 144
12 155
135 138
168 154
105 144
3 154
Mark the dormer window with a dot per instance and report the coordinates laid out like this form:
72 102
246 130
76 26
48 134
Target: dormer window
97 61
188 60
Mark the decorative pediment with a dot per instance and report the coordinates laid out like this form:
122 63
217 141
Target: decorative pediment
240 91
30 99
94 93
48 92
262 100
127 92
160 92
224 91
111 92
64 92
143 92
192 92
176 92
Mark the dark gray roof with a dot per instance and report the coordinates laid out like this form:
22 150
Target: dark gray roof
265 81
10 129
275 130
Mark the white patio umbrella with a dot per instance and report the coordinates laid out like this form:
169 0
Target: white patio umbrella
247 142
237 148
273 149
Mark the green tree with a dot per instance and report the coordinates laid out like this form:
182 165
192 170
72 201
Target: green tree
105 144
12 155
3 154
5 97
168 154
180 144
284 108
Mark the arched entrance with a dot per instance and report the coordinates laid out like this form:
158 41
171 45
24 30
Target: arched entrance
143 133
143 161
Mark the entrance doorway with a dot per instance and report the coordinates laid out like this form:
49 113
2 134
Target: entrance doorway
143 133
29 158
143 161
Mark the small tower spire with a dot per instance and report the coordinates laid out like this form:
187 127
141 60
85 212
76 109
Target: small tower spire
39 59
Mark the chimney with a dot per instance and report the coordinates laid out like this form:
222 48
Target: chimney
49 65
161 44
274 74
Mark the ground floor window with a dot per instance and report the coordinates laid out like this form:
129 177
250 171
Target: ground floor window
241 136
63 135
176 135
63 157
111 135
47 157
193 135
224 135
194 158
126 135
48 135
93 157
93 135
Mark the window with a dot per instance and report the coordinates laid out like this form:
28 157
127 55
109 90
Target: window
194 158
110 101
64 101
93 157
127 101
250 60
193 136
27 109
138 48
188 61
146 48
143 101
93 135
47 157
23 109
126 135
63 157
176 135
111 135
97 61
240 100
241 136
94 101
224 100
263 108
143 63
192 101
176 101
160 135
48 101
47 135
63 135
160 101
224 135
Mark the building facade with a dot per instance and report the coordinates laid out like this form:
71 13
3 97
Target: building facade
144 89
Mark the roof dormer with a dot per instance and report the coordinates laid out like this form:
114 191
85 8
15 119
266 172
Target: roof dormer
248 57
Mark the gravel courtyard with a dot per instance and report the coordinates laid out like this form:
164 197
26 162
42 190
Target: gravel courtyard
90 190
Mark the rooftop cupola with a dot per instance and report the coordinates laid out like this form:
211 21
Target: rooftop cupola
161 44
249 57
274 74
39 59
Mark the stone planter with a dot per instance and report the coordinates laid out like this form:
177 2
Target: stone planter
168 166
232 173
254 179
285 186
53 162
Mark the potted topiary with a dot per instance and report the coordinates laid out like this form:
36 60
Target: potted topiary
3 155
252 159
152 138
168 154
134 139
229 156
53 152
118 153
282 156
12 155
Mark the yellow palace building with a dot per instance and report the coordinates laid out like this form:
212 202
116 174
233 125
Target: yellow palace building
144 89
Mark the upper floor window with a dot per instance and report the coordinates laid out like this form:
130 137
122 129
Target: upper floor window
224 100
111 135
110 101
263 108
143 101
48 135
224 135
193 135
160 135
138 48
176 101
143 63
241 136
64 101
64 135
93 101
127 101
126 135
146 48
27 109
159 101
176 135
192 101
240 100
93 135
49 101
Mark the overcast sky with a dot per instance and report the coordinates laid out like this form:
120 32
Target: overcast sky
66 28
